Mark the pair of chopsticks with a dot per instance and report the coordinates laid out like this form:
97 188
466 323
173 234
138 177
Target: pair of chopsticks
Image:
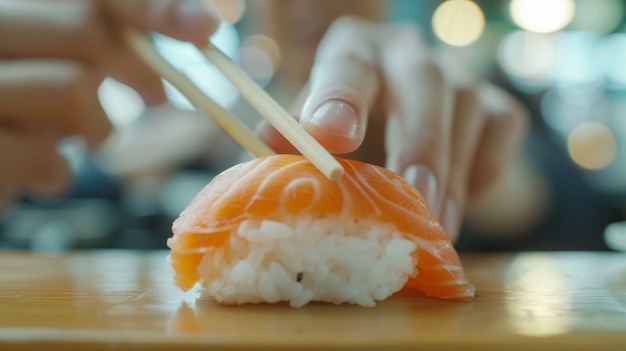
256 96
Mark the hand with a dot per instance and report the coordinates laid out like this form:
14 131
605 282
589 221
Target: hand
380 94
53 57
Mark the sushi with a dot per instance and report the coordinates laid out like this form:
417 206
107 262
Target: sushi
275 229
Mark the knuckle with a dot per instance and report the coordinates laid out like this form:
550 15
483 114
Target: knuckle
348 42
407 31
424 69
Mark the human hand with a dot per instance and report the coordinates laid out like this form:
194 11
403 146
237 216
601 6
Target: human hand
378 93
53 57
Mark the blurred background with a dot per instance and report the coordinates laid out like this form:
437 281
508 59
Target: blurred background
564 59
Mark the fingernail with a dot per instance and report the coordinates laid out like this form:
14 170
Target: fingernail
450 219
423 179
337 118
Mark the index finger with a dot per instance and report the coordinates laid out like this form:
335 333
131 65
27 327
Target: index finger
344 84
420 104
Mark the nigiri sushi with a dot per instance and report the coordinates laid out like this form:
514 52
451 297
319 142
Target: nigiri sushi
275 229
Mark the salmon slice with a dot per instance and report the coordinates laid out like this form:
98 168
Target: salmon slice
287 186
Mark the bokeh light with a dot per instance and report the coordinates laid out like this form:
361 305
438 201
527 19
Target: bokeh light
541 295
592 145
599 16
563 112
458 22
527 55
579 66
614 59
542 16
259 56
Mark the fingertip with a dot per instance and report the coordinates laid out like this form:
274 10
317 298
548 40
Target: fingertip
336 125
337 118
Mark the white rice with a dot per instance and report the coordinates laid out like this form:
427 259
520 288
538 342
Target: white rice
338 261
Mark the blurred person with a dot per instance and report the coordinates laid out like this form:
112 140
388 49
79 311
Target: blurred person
53 57
368 90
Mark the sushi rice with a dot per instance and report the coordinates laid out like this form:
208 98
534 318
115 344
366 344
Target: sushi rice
303 259
275 229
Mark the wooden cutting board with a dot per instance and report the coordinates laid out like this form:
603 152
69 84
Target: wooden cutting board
117 300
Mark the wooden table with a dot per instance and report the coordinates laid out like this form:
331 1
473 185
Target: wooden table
116 300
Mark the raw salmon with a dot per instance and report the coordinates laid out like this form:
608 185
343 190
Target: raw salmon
273 196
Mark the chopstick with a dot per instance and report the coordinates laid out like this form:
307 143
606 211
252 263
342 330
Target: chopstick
275 114
251 91
143 47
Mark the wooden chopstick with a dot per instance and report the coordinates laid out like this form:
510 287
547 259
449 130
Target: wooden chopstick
275 114
143 47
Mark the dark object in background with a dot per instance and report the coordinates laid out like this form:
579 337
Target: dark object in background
578 214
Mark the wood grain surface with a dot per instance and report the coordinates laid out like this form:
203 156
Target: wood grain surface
117 300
